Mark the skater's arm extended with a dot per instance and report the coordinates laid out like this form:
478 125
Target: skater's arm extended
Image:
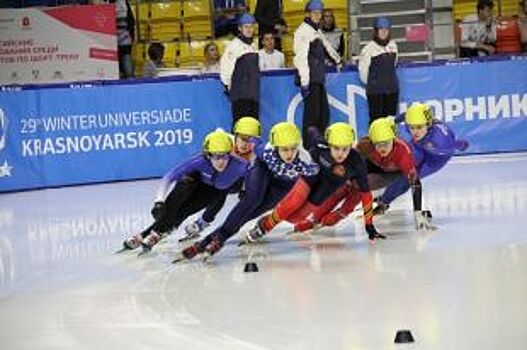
175 174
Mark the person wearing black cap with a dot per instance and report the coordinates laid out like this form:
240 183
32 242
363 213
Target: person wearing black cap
310 49
377 63
240 73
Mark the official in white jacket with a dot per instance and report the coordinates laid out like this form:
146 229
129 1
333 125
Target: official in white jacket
310 49
240 73
377 63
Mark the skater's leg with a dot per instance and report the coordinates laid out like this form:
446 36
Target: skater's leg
216 200
256 185
176 200
288 205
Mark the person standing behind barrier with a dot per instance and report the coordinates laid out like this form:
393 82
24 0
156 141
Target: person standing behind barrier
125 36
334 35
310 49
377 63
240 73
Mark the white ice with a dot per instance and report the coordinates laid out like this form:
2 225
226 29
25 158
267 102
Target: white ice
461 287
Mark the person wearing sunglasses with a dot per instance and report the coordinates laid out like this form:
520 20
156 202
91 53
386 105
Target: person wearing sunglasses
339 163
277 167
247 132
202 181
433 144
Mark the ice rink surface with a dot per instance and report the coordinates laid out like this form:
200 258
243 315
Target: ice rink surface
461 287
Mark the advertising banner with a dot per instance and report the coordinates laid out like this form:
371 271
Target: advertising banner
59 44
64 135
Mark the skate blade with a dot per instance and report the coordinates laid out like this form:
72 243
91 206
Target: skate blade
144 252
179 259
123 250
188 238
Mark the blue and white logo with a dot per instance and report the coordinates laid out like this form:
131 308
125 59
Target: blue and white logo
3 129
5 168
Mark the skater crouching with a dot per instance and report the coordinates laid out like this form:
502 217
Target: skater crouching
201 182
339 163
277 167
388 157
433 145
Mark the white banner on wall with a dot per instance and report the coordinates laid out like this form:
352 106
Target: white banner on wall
59 44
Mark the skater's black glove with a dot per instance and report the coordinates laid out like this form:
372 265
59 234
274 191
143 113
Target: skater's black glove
158 210
373 234
381 208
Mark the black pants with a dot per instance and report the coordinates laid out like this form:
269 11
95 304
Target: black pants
188 197
244 108
316 111
382 105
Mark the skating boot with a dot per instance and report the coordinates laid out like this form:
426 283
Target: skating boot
212 248
131 243
193 230
254 234
187 253
150 241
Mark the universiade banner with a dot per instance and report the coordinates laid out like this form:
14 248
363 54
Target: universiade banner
100 132
58 44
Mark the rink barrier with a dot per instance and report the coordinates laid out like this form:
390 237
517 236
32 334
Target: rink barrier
92 132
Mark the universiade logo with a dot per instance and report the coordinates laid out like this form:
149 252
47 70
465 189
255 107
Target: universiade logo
3 129
348 108
5 168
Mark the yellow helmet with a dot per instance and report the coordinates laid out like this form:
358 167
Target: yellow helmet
382 130
217 142
419 114
340 135
248 126
284 134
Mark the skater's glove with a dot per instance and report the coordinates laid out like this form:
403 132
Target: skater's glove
158 210
339 66
380 209
373 234
304 225
461 145
423 221
304 90
332 218
365 146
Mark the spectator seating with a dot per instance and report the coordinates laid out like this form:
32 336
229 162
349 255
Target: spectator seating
508 36
197 19
463 8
